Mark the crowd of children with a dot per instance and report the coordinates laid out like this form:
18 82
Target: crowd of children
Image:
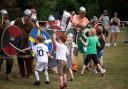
65 45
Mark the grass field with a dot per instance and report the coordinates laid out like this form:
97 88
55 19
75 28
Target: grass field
115 61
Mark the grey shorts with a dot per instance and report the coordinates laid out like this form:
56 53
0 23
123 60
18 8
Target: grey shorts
62 67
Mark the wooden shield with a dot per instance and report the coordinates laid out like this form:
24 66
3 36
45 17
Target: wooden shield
11 40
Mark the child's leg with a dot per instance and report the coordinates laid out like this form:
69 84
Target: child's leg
61 81
96 61
65 78
38 68
83 69
71 73
46 76
37 75
86 61
101 60
46 73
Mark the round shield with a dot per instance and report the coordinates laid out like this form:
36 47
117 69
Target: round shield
70 30
11 40
99 27
58 31
80 45
36 32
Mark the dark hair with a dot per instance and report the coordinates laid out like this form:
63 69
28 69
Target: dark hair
63 38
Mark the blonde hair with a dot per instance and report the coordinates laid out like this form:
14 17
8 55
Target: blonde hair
92 31
40 38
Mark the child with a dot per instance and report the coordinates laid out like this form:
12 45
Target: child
91 43
41 58
71 46
61 52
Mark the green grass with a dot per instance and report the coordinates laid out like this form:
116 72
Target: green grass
115 61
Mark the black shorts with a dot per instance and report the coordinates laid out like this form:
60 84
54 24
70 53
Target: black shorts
89 57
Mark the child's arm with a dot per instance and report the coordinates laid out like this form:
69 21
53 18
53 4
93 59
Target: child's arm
84 43
98 44
49 55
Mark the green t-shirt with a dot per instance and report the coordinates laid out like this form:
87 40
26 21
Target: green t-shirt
92 43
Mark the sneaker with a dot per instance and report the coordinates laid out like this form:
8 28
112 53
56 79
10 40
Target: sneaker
36 83
103 71
81 74
61 87
71 79
95 71
115 44
47 82
65 85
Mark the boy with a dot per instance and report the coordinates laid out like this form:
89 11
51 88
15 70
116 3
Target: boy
61 52
41 58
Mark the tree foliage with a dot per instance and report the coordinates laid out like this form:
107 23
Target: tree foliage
56 7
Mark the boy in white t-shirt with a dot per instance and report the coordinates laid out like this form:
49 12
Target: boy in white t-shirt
61 52
41 57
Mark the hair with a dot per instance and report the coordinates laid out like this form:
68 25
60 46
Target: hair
93 31
63 38
40 38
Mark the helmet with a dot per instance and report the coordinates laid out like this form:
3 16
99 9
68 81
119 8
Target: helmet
3 11
27 12
34 18
51 18
82 9
70 35
94 18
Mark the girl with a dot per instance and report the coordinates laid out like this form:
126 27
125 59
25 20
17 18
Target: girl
91 43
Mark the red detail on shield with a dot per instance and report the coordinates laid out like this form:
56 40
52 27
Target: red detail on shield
11 35
59 32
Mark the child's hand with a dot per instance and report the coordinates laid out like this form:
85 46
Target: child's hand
80 38
52 57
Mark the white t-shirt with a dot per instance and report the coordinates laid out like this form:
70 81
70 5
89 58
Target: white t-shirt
61 51
41 51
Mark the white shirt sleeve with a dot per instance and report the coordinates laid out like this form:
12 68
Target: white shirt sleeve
34 48
57 43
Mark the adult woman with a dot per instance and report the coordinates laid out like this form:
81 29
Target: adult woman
115 28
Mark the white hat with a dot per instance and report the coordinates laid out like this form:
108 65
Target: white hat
34 18
51 18
3 11
82 9
27 12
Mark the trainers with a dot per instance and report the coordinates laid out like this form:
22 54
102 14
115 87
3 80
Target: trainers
71 79
65 85
47 82
36 83
81 74
114 44
103 71
95 71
